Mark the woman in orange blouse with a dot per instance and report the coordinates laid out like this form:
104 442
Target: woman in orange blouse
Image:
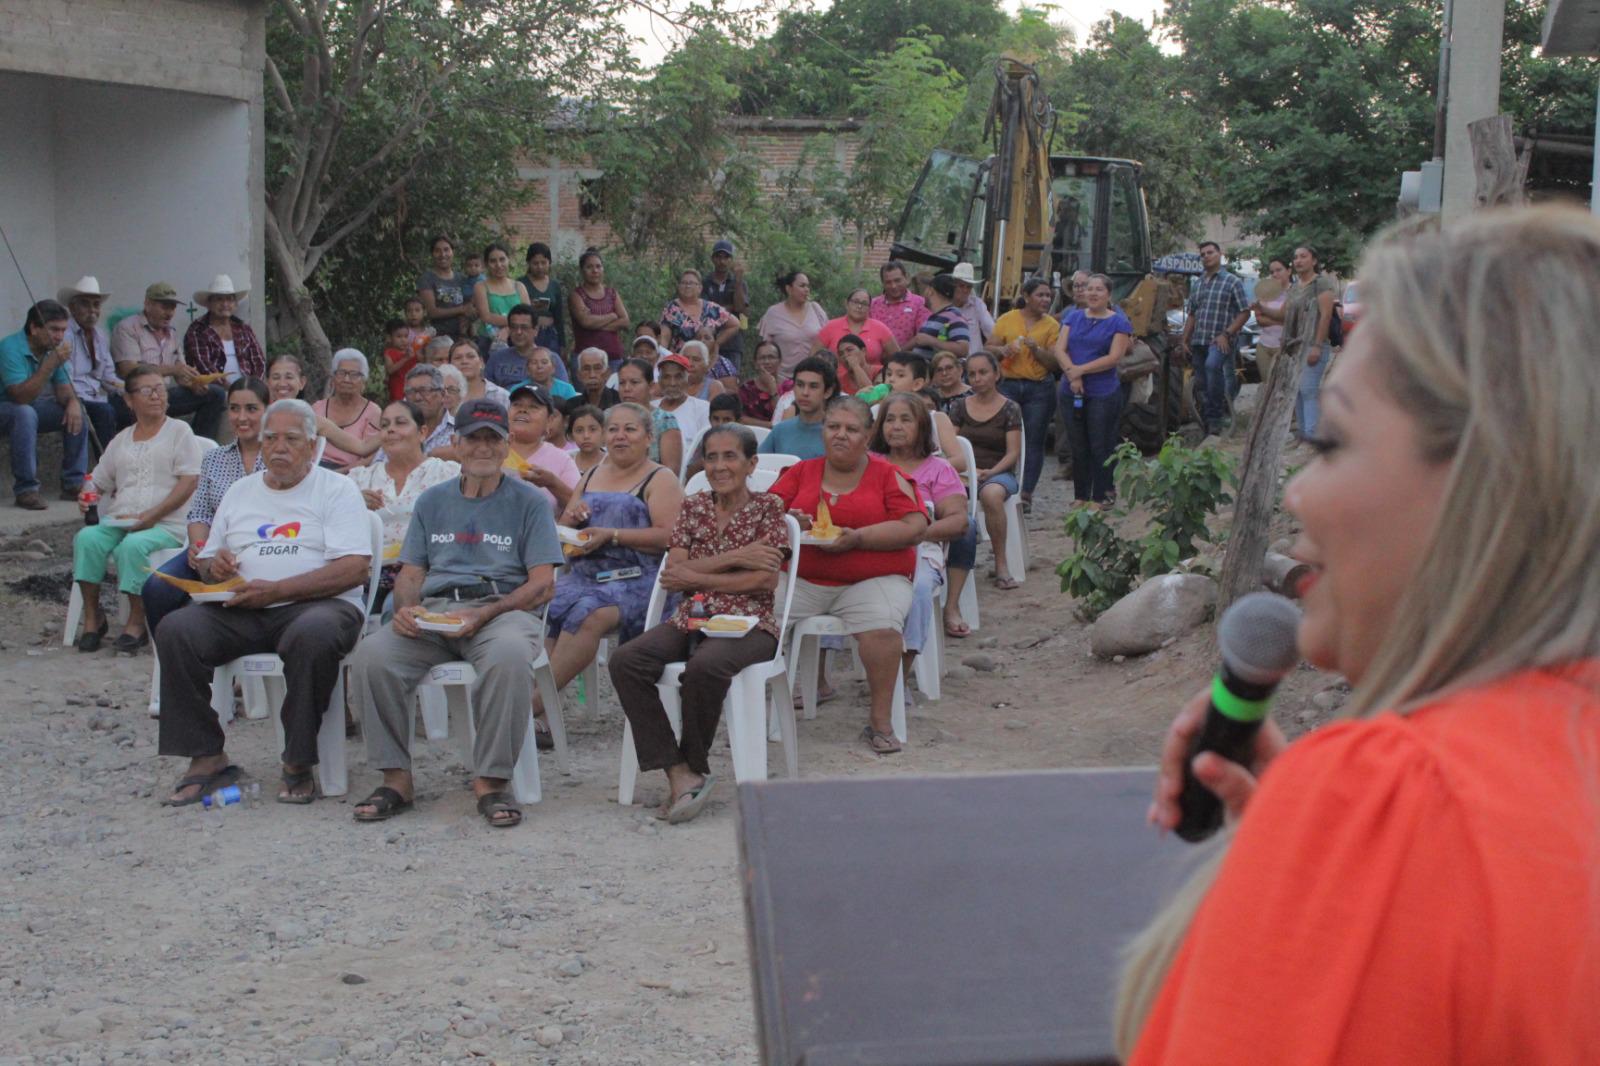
1420 884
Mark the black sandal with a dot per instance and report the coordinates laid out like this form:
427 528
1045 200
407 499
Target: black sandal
386 803
294 781
499 803
208 783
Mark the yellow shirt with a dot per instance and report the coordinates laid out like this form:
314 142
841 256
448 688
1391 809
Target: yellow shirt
1025 365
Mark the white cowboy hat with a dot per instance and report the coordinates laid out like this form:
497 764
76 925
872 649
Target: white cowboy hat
963 272
88 285
221 285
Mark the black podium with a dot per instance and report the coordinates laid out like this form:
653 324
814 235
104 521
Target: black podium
946 921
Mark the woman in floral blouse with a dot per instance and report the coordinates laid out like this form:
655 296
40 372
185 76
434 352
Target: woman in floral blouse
729 545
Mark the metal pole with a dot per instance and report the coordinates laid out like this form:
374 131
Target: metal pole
1000 245
1442 93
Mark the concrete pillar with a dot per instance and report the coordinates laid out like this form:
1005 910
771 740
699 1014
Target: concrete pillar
1594 179
1477 29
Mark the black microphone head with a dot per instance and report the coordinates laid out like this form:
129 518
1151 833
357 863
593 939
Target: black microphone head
1257 637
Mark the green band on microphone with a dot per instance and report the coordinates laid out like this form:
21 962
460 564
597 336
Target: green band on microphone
1240 710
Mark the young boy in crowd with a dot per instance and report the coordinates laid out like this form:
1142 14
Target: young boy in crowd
908 372
726 409
398 356
473 269
418 332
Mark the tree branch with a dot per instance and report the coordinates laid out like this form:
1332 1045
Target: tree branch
314 255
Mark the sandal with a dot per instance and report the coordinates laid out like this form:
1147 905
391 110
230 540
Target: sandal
960 630
1007 583
208 783
294 781
543 739
880 743
692 802
492 804
386 803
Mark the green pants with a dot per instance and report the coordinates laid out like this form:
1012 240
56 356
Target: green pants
95 544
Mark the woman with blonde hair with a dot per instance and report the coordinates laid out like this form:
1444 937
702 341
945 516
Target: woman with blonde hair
1421 883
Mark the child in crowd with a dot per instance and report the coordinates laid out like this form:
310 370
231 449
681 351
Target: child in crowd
398 356
726 409
585 424
473 269
418 332
555 430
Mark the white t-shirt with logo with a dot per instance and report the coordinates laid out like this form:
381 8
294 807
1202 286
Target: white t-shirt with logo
282 533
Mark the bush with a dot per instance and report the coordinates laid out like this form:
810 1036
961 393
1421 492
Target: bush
1182 486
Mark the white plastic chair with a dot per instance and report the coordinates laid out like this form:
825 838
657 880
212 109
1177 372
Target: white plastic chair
455 680
969 591
758 481
691 448
332 770
928 667
1016 533
744 709
806 647
761 432
778 461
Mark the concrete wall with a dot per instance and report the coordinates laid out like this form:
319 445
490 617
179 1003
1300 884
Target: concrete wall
134 146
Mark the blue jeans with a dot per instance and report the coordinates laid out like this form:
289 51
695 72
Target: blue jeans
1092 429
1038 402
1220 383
160 598
1307 404
24 422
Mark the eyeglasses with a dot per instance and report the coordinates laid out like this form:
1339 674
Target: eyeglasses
452 390
349 374
422 390
149 392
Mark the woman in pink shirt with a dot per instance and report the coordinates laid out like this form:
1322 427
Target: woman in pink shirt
879 341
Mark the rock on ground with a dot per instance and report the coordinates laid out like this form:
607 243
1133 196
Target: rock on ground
1162 608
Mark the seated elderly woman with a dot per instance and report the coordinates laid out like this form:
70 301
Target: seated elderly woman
391 486
146 475
904 435
862 574
627 506
728 544
347 408
219 468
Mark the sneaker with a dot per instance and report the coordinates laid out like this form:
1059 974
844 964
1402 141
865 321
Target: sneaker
32 501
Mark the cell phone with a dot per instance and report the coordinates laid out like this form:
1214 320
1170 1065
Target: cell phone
621 574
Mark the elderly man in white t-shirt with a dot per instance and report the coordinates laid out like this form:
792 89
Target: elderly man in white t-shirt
298 537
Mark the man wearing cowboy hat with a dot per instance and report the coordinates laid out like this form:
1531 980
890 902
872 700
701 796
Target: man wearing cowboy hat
219 341
973 309
36 396
93 371
149 338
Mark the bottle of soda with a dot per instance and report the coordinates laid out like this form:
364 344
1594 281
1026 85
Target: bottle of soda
698 616
91 496
246 795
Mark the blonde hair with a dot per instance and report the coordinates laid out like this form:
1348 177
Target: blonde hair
1483 330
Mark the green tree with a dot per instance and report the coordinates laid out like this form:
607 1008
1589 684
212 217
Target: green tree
384 113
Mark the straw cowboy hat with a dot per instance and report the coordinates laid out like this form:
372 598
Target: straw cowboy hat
963 272
88 285
221 285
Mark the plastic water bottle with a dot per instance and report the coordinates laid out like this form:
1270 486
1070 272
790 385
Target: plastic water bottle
246 796
1077 401
91 496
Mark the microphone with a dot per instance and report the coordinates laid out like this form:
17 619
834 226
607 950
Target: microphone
1257 640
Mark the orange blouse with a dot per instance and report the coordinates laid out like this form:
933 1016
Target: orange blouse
1408 890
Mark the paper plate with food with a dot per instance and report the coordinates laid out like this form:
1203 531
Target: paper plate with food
391 552
572 540
822 530
439 622
726 626
202 592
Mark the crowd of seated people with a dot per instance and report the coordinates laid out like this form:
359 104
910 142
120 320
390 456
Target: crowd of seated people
472 441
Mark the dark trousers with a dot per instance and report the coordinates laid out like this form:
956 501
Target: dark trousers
311 637
637 666
1038 402
207 407
1092 429
161 599
106 416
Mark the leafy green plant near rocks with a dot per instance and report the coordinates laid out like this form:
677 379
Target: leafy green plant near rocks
1181 487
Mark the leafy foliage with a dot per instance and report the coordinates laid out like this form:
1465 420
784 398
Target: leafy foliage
1182 487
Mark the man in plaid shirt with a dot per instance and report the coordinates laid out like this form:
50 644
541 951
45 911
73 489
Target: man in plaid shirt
1217 311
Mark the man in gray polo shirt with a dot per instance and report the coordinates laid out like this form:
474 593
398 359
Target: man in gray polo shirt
481 549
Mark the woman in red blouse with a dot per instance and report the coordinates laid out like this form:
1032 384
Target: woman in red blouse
862 576
729 545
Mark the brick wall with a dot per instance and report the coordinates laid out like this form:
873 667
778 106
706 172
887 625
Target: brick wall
553 212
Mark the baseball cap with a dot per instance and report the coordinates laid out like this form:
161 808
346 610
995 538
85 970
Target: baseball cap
535 390
672 357
162 293
725 246
474 415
